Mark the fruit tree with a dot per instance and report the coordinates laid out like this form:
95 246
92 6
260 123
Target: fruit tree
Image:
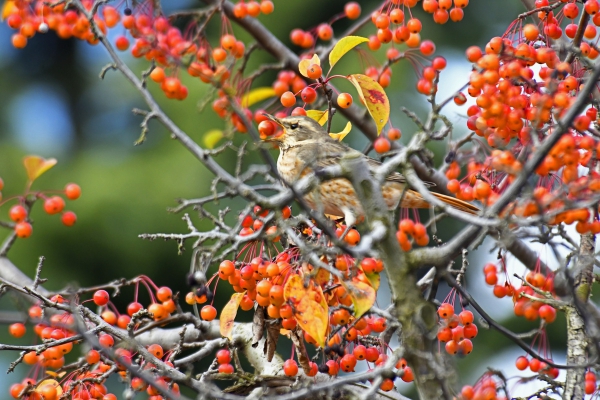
326 231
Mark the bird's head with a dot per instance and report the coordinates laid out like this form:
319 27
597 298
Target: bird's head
296 129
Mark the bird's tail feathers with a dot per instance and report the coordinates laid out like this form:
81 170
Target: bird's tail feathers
415 198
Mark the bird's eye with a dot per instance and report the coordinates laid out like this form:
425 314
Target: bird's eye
294 126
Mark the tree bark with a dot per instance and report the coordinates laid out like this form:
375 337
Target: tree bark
577 340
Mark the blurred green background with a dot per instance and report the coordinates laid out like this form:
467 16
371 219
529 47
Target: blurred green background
53 104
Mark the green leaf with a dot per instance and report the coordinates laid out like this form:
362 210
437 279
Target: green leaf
228 314
374 97
304 64
341 135
212 137
343 46
257 95
319 116
36 166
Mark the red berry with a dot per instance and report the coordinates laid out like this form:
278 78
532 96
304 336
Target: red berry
23 230
223 356
106 340
522 363
69 218
72 190
54 205
308 95
288 99
314 71
164 293
348 362
352 10
208 313
122 43
382 145
17 329
17 213
101 297
446 311
134 307
466 317
290 367
226 369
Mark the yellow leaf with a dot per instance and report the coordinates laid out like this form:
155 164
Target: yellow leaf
343 46
50 382
228 314
256 95
8 8
340 136
212 137
319 116
374 97
310 308
375 280
304 64
36 166
362 295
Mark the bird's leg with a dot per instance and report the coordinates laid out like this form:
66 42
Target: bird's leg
349 219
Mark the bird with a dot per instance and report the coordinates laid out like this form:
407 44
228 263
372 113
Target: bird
305 146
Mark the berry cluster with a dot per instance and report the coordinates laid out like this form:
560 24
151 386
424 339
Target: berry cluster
456 330
487 387
53 204
32 16
513 101
263 274
525 297
406 228
60 327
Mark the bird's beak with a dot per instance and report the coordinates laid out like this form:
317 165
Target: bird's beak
278 122
274 119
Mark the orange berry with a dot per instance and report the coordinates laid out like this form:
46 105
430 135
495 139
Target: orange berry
17 330
352 10
314 71
344 100
208 313
382 145
266 7
325 32
23 229
288 99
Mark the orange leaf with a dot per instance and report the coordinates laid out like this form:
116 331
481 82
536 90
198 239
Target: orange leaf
322 276
304 64
228 314
36 166
310 308
374 97
362 294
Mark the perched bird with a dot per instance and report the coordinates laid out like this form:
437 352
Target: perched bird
304 146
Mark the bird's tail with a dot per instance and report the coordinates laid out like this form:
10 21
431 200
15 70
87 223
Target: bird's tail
417 201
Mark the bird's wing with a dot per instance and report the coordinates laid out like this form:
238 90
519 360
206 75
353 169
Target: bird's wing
335 152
